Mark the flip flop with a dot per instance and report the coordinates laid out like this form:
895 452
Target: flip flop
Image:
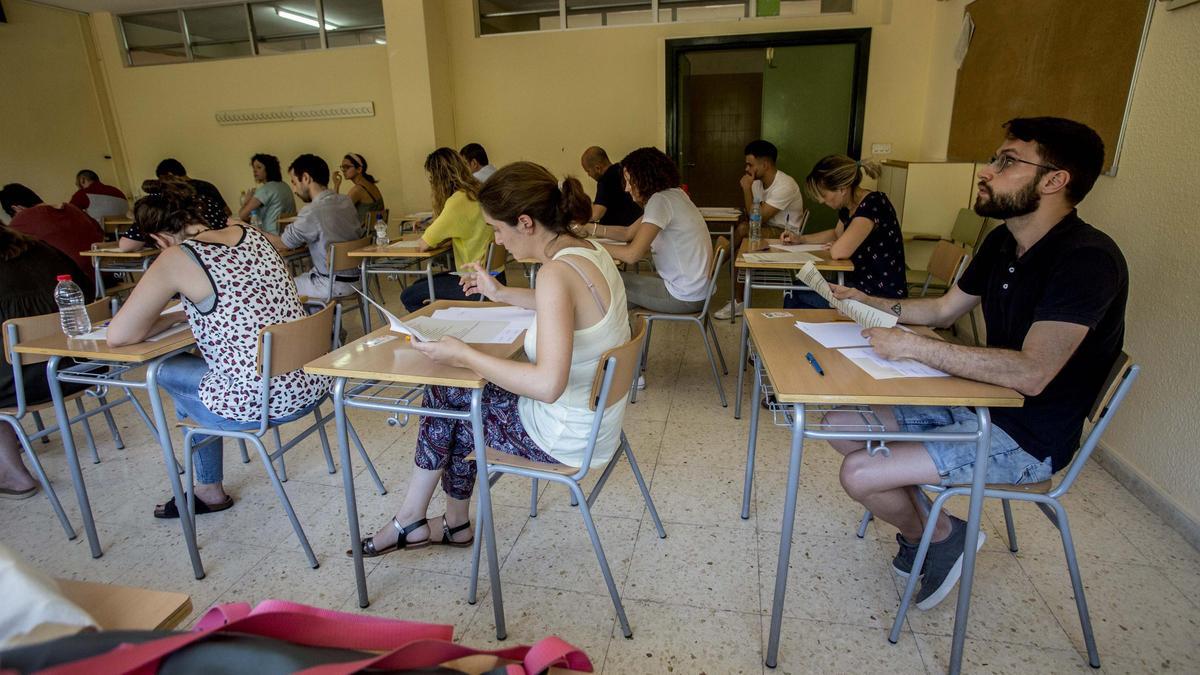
5 493
168 510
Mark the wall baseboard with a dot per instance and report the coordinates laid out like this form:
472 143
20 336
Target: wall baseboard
1150 494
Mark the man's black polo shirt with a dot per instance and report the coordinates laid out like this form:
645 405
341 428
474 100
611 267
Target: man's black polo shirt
619 207
1075 274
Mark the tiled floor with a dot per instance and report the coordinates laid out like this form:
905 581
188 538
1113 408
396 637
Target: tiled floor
699 600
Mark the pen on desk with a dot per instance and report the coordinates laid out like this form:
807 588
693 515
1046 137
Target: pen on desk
812 360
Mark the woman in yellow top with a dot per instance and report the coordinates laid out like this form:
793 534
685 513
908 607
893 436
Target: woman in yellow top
457 219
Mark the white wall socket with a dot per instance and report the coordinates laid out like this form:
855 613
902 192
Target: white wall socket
881 148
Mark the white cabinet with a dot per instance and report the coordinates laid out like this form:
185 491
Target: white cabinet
927 197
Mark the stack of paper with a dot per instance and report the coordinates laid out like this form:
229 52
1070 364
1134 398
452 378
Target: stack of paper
864 315
835 335
100 330
886 369
720 212
405 243
799 247
482 325
781 257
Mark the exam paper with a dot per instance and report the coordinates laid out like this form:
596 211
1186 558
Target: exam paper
781 257
100 330
712 211
405 243
476 332
865 315
835 335
886 369
394 323
798 247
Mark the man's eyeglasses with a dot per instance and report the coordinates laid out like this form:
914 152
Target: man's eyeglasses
999 163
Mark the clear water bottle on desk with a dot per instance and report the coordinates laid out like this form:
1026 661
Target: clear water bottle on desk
755 228
381 232
72 307
255 220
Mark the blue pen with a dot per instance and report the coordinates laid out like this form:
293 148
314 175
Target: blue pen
812 360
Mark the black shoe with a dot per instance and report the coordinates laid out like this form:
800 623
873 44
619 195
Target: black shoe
903 562
769 402
943 565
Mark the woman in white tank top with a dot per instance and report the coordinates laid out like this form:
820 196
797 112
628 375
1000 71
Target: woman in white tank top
540 409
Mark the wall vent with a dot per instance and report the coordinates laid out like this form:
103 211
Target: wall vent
296 113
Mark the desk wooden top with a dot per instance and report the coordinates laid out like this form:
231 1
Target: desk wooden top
723 216
286 220
98 350
782 348
824 262
286 253
374 251
127 608
396 360
118 222
114 252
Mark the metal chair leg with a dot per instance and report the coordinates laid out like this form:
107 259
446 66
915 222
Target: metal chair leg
712 330
245 455
362 452
862 525
40 425
473 587
40 474
712 362
283 499
87 431
604 570
910 588
637 475
1085 620
1010 525
324 441
112 424
278 446
533 497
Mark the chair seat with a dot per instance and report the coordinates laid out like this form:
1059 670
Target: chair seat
44 405
642 311
1038 488
505 459
191 424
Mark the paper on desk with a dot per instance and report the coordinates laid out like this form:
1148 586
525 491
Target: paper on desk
798 247
886 369
519 317
835 335
394 323
865 315
781 257
405 243
475 332
100 330
710 211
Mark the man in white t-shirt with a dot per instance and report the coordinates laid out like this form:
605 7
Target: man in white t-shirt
477 161
779 200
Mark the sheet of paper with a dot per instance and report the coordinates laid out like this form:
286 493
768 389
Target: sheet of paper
518 316
798 247
711 211
405 243
781 257
886 369
835 335
476 332
864 315
394 323
100 330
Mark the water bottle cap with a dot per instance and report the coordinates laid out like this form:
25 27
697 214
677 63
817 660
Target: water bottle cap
64 277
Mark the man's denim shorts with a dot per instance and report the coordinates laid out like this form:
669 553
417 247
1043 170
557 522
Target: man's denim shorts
955 461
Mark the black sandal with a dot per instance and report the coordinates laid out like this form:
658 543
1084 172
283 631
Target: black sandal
170 510
402 542
448 531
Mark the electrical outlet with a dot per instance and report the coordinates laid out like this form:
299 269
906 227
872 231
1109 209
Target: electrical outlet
881 148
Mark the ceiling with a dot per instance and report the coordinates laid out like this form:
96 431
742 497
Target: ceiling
340 12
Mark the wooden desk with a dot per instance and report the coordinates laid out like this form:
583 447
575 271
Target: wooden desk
125 262
125 607
406 261
796 383
394 362
97 364
771 276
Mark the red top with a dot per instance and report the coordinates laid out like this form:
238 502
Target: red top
80 198
65 227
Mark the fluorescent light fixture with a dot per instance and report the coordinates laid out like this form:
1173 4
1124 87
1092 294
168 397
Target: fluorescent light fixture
380 41
300 18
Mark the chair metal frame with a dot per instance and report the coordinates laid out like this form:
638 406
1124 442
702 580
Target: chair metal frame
255 436
339 250
604 389
703 321
1120 380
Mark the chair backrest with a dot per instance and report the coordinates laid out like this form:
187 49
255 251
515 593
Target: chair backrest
339 254
968 228
720 254
32 328
1120 379
946 264
624 369
372 216
296 343
110 227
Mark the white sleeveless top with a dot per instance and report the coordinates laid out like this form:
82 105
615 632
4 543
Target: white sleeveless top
562 428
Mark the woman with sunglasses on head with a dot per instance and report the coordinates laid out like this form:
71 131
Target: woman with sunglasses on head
363 189
867 232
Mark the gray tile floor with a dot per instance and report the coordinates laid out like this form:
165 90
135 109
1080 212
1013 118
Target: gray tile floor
699 600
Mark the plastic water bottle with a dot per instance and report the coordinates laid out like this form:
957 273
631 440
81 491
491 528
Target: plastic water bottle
255 220
381 233
755 228
72 307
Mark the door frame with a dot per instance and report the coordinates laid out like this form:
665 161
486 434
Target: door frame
859 37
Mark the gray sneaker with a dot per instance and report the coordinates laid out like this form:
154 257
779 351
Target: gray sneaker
903 562
943 565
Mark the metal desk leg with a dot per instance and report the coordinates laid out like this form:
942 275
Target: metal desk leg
429 278
99 277
163 428
974 516
362 275
785 538
64 430
753 443
486 527
339 413
741 364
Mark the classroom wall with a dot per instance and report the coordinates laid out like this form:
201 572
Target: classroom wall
51 121
168 111
1147 209
547 96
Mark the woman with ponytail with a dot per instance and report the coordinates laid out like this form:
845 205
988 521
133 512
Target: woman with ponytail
867 231
232 284
363 189
457 219
538 409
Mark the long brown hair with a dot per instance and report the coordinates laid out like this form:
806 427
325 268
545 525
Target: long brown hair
530 189
449 173
168 207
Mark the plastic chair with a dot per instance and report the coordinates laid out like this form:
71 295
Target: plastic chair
282 348
32 328
614 377
701 318
1045 494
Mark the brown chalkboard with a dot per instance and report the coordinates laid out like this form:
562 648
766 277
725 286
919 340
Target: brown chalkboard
1067 58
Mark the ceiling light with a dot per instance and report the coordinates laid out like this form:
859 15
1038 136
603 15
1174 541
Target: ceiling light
300 18
380 41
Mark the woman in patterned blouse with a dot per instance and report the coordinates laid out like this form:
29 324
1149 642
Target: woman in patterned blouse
867 232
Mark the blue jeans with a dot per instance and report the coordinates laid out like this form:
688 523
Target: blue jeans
445 287
798 299
180 376
1007 463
